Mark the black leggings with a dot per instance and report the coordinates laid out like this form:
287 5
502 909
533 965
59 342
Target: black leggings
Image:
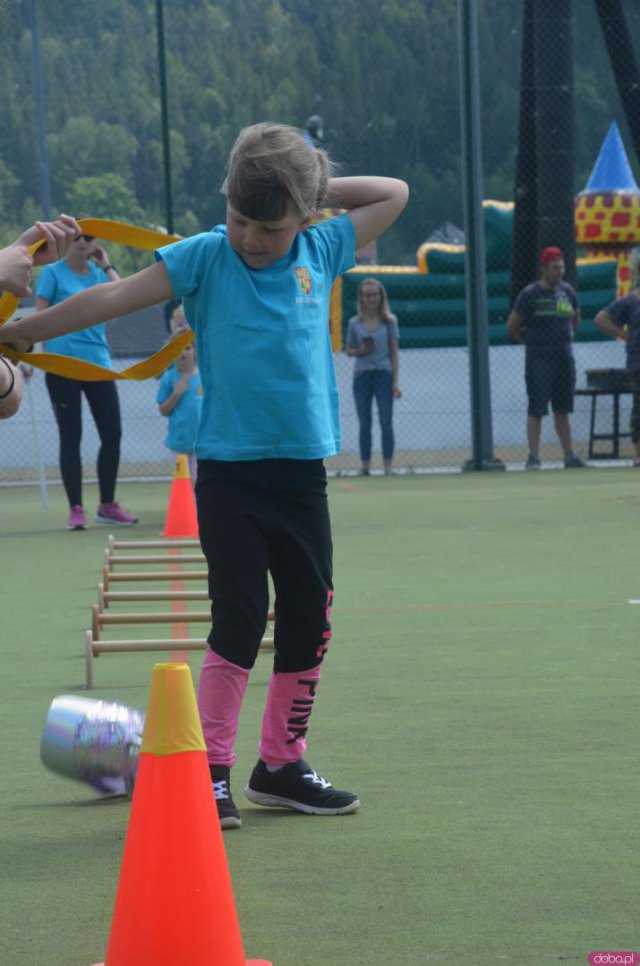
66 399
260 516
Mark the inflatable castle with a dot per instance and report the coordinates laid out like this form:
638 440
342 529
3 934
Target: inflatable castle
608 210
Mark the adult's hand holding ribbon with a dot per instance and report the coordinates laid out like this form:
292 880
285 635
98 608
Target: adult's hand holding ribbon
107 230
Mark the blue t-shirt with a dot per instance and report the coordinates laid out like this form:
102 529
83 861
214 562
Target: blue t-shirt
185 415
626 311
263 343
547 315
58 282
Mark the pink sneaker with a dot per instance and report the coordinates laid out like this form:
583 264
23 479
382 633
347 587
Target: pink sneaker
77 519
114 514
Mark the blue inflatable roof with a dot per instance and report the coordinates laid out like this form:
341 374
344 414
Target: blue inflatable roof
612 171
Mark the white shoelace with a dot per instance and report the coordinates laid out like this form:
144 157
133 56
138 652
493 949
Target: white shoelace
316 779
220 789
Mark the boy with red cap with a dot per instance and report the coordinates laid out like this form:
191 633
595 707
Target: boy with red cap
545 317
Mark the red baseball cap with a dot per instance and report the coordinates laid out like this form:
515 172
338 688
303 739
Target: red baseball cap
550 254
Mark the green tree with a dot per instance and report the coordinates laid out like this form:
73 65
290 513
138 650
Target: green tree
104 196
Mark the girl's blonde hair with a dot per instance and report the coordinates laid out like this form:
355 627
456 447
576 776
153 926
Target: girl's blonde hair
271 170
384 310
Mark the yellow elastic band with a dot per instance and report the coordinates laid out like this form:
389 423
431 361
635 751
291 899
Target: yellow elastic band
172 724
133 237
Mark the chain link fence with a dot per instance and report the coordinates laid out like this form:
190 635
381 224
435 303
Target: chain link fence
561 147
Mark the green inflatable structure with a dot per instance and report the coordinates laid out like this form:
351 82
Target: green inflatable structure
429 301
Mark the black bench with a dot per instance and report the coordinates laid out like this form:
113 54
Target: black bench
615 435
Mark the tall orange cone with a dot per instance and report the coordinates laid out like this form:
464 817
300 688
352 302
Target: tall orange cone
181 519
174 902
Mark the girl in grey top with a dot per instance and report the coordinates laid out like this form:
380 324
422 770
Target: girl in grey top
372 339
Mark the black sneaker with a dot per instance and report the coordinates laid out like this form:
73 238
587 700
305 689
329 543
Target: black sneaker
227 812
573 462
298 786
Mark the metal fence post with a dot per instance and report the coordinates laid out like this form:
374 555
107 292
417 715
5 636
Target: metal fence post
475 262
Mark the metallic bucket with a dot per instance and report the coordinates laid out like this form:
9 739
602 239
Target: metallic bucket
96 742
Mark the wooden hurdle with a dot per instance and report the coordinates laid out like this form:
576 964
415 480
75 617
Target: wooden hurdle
94 649
99 619
106 597
158 576
95 645
113 560
113 544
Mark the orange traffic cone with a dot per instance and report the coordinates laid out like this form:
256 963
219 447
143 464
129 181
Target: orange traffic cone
181 519
174 902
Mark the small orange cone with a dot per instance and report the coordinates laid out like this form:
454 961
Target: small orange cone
181 519
174 902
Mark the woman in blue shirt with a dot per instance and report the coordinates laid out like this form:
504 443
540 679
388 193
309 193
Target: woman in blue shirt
85 265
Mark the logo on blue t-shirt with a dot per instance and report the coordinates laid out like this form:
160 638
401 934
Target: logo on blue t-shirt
305 284
303 275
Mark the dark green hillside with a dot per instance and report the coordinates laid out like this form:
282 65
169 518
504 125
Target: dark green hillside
382 73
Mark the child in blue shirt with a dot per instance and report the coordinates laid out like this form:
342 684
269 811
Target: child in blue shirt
179 398
256 293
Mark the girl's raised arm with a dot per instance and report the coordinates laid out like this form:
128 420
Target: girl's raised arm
97 304
373 203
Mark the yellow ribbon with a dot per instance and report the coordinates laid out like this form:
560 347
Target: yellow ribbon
125 234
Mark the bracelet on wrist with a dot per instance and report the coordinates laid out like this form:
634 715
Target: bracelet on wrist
13 379
108 268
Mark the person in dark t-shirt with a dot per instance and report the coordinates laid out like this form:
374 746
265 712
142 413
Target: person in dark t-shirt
545 317
621 319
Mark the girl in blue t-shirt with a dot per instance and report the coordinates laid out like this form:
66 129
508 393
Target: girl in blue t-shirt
256 293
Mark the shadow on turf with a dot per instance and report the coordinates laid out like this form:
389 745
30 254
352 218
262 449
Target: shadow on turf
251 818
260 818
103 801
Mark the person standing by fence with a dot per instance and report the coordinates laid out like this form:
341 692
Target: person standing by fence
545 317
621 319
372 339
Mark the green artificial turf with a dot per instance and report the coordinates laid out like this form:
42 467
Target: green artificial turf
480 695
